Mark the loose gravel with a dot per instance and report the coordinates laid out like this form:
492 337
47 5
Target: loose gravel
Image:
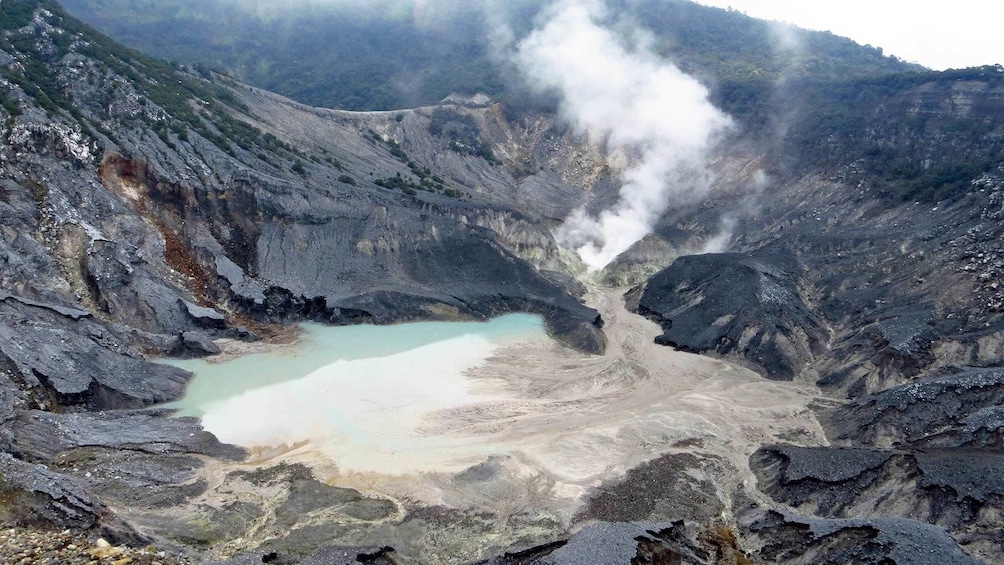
20 546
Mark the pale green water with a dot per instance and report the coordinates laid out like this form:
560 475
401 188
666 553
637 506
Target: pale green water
321 346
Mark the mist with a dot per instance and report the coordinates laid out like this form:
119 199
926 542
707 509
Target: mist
652 118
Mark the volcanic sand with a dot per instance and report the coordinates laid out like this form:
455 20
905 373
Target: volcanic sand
536 424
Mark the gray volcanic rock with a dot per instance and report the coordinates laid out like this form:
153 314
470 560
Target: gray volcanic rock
960 490
950 411
607 543
36 496
205 317
198 343
790 538
72 313
325 556
81 363
659 490
10 399
129 459
615 543
134 480
42 436
748 305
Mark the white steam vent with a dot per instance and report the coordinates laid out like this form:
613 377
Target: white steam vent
642 107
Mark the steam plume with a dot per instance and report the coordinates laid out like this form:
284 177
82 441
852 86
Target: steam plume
644 109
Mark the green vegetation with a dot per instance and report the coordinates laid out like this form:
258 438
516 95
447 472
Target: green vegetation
378 56
396 151
425 181
16 14
205 107
39 191
462 131
399 183
839 103
916 153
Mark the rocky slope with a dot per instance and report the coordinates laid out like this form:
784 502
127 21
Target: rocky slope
884 292
147 210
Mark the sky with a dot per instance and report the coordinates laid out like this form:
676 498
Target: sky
937 34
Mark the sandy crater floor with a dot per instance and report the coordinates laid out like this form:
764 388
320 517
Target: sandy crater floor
537 424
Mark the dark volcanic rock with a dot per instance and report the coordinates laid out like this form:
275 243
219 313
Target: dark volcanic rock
430 263
37 497
205 317
960 410
659 490
198 343
607 543
827 464
746 305
620 544
961 490
41 436
11 398
833 482
74 362
130 460
977 475
324 556
134 480
306 496
790 538
69 312
349 556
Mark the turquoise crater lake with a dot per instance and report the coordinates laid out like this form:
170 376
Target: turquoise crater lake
349 390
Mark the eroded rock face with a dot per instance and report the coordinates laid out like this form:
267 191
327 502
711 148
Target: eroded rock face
34 496
139 221
636 543
959 490
959 410
745 305
874 294
928 450
63 362
790 538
